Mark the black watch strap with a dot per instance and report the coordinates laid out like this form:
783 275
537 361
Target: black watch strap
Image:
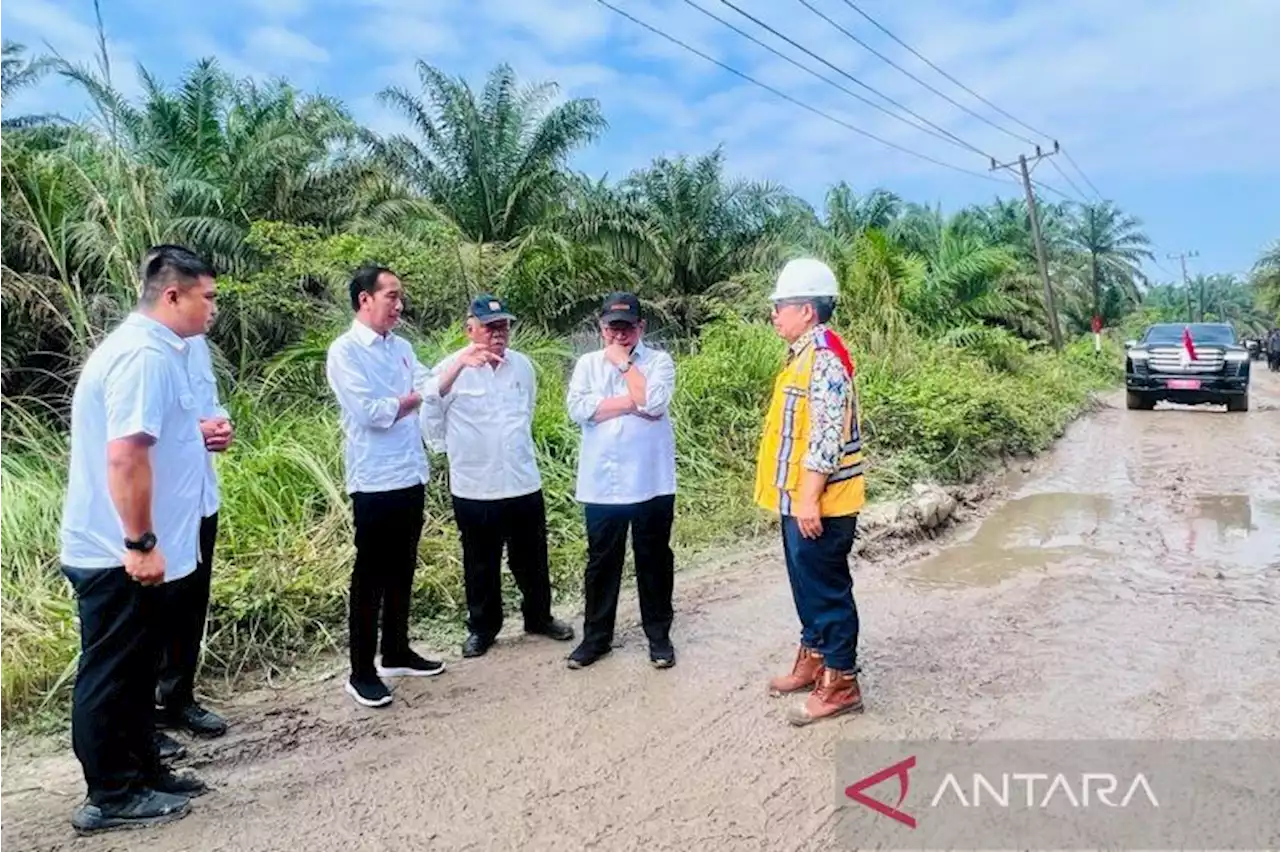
145 543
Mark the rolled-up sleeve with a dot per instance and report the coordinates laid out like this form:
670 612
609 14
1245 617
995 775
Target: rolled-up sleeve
431 416
136 391
582 399
829 387
659 385
356 395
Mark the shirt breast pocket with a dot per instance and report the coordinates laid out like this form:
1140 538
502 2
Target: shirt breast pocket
189 428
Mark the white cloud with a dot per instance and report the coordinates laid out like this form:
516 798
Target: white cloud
275 45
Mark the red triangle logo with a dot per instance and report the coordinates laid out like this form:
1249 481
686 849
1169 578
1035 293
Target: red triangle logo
898 770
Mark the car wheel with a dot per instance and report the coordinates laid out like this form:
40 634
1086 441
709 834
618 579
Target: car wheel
1238 403
1138 402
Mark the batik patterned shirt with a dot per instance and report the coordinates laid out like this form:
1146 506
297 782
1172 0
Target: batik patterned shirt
829 387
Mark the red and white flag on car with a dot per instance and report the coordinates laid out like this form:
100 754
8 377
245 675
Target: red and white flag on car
1188 347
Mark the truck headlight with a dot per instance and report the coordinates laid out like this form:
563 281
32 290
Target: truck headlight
1139 354
1235 355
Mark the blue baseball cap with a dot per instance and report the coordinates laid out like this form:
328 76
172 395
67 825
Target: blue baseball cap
489 308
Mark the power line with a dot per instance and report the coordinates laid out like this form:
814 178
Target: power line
821 77
1057 168
855 80
926 61
940 94
792 100
1072 161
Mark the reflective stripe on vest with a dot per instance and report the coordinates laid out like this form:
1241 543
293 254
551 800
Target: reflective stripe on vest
784 443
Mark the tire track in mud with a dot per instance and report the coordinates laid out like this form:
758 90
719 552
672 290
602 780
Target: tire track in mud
1125 585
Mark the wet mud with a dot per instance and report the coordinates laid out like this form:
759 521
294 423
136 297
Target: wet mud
1124 585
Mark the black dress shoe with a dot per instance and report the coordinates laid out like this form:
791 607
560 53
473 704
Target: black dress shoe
168 748
476 645
583 656
178 784
555 628
200 722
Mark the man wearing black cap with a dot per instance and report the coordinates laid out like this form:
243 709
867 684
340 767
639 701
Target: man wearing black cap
620 395
480 412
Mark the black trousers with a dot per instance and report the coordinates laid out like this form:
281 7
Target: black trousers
388 526
112 714
607 526
487 526
181 629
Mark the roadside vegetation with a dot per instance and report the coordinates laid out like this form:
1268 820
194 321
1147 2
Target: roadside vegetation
287 194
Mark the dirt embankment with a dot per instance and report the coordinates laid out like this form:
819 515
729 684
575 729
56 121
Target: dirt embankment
1125 585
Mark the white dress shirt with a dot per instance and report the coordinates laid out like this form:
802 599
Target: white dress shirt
135 382
627 459
485 425
204 384
368 373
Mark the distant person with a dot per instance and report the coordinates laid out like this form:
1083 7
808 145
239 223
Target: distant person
481 414
810 471
379 382
186 601
619 396
1273 349
130 527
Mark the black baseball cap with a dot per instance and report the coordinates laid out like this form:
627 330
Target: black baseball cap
620 307
489 308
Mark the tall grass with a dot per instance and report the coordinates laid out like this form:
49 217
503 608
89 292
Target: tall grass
930 411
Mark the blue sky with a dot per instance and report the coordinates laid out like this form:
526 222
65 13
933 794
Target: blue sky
1171 109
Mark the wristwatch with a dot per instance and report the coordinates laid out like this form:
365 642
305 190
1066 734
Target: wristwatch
624 366
145 544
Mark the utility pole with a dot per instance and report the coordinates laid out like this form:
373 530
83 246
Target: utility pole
1049 307
1186 283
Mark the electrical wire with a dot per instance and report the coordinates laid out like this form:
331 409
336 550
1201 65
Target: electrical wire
1074 165
793 100
821 77
1057 168
940 94
926 61
855 80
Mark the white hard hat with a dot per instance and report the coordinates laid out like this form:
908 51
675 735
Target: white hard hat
805 277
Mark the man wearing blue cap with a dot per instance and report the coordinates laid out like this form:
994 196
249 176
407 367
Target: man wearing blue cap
480 412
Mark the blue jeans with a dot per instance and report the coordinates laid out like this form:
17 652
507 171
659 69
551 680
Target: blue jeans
822 586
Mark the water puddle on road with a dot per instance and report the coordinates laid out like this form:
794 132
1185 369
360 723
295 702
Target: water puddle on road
1056 532
1026 533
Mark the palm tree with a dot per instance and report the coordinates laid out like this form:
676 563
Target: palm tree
848 215
17 73
1266 281
696 238
236 150
493 163
1115 246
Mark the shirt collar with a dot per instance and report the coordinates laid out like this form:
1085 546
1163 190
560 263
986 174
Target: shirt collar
157 329
366 335
805 340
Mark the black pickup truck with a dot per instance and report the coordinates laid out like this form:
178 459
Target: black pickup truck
1189 364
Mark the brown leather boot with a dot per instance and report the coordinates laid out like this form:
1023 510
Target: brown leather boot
804 674
836 693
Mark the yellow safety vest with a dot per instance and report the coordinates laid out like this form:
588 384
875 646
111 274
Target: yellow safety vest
779 463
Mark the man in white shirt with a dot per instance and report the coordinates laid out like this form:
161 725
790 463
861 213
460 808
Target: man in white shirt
481 415
130 524
620 396
379 385
187 600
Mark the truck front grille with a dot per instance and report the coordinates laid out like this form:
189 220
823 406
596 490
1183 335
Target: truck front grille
1169 359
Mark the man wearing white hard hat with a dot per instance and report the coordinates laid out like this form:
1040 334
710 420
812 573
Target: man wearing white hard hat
810 471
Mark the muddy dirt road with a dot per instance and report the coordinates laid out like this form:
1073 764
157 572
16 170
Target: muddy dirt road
1126 585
